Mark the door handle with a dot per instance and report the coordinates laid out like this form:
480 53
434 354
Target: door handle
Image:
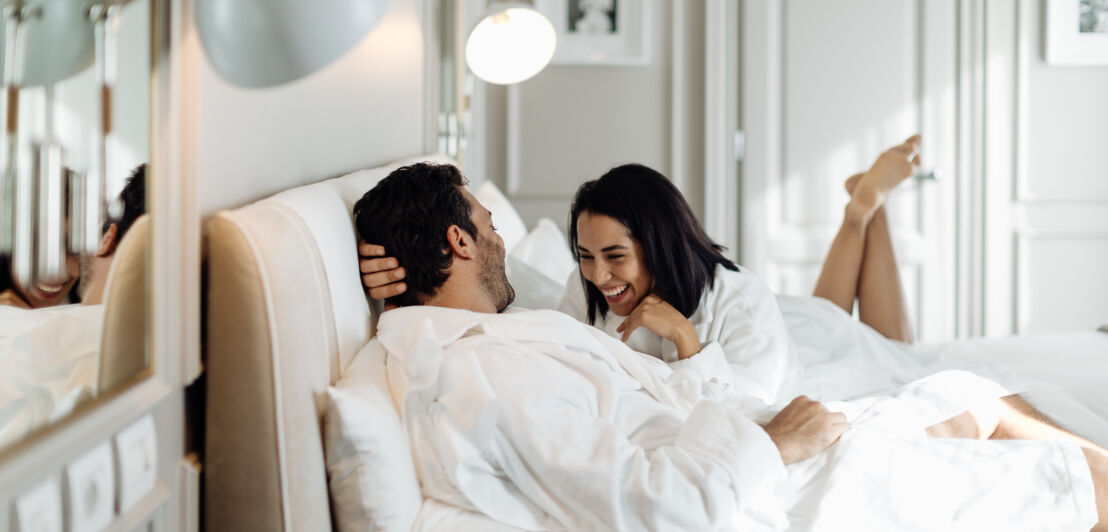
934 174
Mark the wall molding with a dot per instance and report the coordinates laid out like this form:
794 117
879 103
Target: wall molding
515 131
678 106
761 81
721 101
174 284
678 110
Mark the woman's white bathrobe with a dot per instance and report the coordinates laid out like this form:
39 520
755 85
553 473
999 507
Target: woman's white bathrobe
737 318
541 422
779 347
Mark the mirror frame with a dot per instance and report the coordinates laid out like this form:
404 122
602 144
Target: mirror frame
81 409
173 304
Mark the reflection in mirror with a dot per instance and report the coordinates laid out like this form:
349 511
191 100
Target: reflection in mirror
74 149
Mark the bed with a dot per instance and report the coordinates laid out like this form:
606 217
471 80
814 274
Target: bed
54 359
286 315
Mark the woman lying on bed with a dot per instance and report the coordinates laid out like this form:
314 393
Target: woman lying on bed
643 257
539 454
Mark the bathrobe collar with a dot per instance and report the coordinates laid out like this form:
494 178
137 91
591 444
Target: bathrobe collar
417 336
446 324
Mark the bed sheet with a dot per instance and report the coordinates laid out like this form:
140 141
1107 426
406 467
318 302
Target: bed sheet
48 365
1063 375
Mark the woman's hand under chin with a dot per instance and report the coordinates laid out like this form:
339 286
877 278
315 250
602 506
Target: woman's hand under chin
662 319
9 298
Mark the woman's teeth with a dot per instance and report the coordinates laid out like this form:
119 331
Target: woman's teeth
49 288
613 292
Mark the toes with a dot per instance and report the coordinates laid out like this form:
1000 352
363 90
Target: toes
913 144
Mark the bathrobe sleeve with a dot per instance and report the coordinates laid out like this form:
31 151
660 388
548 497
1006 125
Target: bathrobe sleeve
749 328
710 366
570 455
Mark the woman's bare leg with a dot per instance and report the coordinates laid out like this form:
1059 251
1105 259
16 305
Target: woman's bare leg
838 280
1012 418
1098 465
1021 421
851 269
880 294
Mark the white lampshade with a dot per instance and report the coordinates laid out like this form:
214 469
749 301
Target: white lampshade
58 42
510 46
263 43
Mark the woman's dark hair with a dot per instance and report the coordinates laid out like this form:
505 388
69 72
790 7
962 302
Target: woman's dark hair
409 212
133 197
678 253
6 282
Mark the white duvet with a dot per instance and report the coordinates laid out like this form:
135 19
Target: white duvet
48 365
539 422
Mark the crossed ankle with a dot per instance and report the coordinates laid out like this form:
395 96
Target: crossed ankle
857 216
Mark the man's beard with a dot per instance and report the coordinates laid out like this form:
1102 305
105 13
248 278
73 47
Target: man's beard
84 279
493 277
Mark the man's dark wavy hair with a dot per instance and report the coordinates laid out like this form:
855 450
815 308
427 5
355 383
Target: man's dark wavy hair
409 212
677 252
133 197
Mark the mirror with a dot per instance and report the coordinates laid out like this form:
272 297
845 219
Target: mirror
74 156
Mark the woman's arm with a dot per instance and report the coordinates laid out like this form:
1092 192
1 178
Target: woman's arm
662 319
742 317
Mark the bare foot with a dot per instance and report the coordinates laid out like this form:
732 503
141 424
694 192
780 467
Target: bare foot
873 187
852 182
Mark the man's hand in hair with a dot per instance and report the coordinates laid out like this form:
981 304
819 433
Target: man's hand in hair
382 276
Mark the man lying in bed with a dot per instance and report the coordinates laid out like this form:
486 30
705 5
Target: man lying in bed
542 422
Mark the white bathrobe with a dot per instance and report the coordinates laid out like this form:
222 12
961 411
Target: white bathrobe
541 422
738 318
779 347
48 365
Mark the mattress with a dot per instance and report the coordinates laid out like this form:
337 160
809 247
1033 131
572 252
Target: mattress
1063 375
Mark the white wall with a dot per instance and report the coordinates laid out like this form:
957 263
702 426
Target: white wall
576 122
363 110
1060 213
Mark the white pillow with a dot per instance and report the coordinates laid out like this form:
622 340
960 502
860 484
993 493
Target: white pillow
545 249
534 290
370 472
504 215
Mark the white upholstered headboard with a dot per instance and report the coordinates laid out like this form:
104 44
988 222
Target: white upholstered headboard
285 314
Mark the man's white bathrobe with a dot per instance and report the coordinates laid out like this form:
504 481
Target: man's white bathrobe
541 422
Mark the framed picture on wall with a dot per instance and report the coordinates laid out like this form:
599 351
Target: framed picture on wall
1076 32
599 32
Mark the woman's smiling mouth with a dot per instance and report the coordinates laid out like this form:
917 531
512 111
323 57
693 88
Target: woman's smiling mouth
614 293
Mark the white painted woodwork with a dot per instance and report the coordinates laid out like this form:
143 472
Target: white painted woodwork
721 187
570 124
826 87
1046 249
1054 273
174 316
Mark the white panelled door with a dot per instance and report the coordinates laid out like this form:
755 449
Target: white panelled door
824 88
